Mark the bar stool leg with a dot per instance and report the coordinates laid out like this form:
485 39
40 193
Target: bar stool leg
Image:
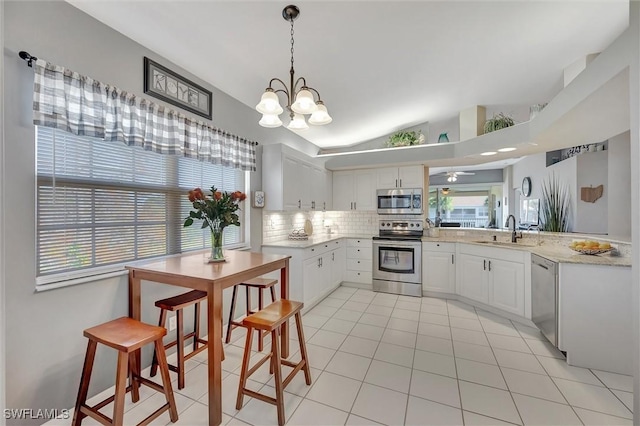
161 323
134 372
121 388
245 368
273 294
180 363
261 334
277 374
84 383
166 380
196 325
303 349
233 309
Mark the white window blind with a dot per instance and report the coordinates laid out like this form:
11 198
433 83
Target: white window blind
103 203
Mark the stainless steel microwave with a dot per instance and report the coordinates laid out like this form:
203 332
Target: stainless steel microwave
399 201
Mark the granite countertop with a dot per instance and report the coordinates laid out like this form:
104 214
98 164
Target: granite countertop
555 252
313 240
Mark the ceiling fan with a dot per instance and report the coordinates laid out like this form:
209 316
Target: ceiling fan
453 176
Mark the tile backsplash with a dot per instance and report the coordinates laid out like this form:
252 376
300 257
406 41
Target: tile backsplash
277 225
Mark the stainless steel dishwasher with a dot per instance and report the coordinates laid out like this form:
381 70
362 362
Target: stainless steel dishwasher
544 296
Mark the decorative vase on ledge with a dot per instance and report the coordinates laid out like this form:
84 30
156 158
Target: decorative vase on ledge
443 137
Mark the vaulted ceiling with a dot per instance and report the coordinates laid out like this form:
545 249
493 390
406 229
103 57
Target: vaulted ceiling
380 66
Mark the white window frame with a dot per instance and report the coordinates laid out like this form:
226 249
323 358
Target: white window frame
90 274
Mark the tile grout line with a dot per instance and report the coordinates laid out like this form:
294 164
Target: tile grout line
502 375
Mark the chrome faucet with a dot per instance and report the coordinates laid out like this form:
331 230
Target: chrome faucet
514 236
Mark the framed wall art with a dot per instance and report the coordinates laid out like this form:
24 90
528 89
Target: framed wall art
162 83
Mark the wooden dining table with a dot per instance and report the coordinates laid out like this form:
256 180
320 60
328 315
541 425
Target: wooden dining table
194 272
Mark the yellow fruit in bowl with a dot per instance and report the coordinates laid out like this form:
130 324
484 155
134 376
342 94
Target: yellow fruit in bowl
604 246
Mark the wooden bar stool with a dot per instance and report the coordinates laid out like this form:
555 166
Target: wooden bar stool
260 284
269 320
177 304
125 335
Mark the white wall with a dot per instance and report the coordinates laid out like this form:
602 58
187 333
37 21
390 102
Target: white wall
619 177
591 171
2 269
44 342
634 89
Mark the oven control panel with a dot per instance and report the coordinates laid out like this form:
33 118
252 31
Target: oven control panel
401 225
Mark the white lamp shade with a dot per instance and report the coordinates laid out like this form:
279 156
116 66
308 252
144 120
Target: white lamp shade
320 116
269 103
452 179
298 123
270 120
304 103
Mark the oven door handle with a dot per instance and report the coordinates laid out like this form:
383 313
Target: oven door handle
398 245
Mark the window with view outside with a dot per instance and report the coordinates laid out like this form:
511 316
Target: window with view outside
471 211
104 203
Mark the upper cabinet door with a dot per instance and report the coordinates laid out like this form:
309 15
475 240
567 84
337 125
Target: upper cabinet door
292 171
411 177
343 184
387 178
365 191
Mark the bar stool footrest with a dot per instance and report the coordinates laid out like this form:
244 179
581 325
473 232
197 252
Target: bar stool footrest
260 396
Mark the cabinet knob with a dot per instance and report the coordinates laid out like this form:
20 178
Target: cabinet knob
358 261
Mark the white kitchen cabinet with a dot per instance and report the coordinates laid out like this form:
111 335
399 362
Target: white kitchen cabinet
292 183
506 286
595 324
473 280
494 276
359 261
400 177
438 267
314 271
354 190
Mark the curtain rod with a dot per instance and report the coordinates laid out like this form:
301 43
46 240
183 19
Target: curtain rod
29 58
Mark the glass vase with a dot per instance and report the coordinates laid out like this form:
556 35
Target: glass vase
216 243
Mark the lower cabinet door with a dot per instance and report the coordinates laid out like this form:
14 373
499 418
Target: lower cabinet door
311 279
506 286
473 280
438 272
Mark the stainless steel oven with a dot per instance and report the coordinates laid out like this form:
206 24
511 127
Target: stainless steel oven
399 201
397 257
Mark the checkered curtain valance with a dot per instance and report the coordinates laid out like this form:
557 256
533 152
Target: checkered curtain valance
66 100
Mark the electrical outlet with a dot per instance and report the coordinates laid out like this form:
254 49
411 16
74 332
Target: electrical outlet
172 323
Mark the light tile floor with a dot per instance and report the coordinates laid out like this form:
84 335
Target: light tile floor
384 359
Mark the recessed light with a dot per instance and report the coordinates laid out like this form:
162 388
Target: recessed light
509 149
489 153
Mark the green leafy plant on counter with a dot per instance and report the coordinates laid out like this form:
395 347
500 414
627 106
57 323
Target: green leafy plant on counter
556 206
499 121
405 138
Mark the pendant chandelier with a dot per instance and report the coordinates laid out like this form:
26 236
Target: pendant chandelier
300 97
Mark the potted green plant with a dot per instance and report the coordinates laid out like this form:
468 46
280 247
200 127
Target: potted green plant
556 206
499 121
404 138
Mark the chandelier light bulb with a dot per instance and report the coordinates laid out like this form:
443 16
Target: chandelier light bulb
270 120
304 103
269 103
320 116
298 123
452 179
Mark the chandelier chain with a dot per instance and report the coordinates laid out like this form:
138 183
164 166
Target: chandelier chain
291 43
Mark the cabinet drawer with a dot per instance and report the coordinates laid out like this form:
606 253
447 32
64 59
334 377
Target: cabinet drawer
359 253
319 249
359 277
442 247
359 265
359 242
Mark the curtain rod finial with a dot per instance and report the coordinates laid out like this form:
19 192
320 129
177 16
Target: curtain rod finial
27 57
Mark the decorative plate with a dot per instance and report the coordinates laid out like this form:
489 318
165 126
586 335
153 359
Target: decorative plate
590 251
